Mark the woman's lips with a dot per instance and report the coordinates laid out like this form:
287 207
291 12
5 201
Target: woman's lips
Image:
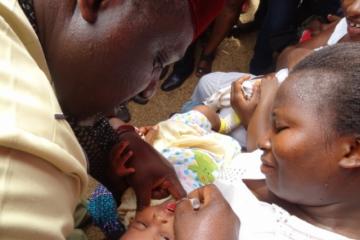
266 166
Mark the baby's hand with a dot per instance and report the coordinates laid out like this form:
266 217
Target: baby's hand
148 133
243 106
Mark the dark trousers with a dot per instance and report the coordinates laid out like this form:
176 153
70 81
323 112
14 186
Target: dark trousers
280 20
280 17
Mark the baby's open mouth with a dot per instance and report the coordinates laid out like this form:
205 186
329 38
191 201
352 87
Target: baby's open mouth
171 207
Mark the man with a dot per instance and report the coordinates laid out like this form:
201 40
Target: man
73 59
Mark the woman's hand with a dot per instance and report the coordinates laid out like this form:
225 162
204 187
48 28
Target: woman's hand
214 220
244 107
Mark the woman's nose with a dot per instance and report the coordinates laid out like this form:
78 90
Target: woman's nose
264 142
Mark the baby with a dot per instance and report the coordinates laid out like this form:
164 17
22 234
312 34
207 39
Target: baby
191 144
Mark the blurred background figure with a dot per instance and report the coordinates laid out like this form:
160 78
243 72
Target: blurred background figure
280 24
220 28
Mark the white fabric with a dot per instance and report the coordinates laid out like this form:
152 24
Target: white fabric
221 98
339 32
245 165
282 74
210 83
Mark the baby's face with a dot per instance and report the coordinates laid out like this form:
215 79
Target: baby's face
153 223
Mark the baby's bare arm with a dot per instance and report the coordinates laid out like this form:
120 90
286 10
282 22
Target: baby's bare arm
211 115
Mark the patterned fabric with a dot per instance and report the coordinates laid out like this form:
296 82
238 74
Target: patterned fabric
97 141
197 166
102 208
28 8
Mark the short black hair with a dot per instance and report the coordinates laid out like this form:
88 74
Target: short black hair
331 78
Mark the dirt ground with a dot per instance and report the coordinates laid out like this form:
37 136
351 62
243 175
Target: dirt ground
233 54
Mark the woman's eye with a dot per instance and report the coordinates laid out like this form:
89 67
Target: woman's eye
280 128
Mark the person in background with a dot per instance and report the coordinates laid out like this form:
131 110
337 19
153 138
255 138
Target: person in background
279 28
218 31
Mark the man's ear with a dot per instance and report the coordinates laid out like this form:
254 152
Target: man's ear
351 158
89 9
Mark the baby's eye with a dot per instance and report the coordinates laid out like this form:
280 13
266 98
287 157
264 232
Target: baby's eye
139 225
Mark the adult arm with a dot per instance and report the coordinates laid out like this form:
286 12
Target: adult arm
37 200
291 55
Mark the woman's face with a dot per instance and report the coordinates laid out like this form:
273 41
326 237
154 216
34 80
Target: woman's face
153 223
301 153
351 10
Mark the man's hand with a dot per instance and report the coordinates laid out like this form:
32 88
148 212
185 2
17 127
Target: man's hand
244 107
150 173
214 220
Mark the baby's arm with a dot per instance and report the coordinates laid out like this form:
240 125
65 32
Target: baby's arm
242 105
211 115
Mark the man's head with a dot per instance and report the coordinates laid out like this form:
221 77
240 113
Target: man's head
101 53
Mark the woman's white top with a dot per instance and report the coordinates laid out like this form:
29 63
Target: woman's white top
339 32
